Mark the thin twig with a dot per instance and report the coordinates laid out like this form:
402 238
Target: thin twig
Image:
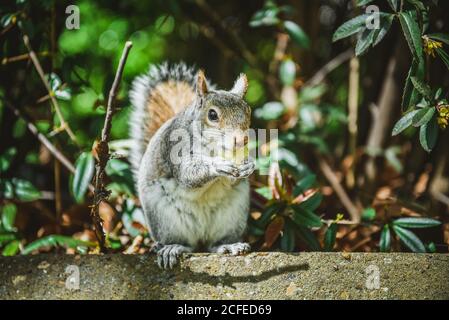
441 197
321 74
341 222
43 139
279 51
327 171
102 149
53 150
22 57
55 103
353 103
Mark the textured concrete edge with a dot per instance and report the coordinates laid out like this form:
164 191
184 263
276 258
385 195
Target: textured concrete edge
259 275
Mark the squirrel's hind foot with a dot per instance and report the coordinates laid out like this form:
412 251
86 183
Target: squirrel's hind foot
234 249
167 255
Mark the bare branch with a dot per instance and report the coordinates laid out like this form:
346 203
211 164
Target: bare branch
329 67
53 150
327 171
55 103
102 149
353 106
43 139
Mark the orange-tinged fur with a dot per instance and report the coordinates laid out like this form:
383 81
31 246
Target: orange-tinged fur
167 99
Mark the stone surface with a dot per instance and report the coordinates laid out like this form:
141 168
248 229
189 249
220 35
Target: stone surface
210 276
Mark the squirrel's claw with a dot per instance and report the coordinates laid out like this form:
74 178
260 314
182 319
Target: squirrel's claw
226 168
234 249
167 256
246 169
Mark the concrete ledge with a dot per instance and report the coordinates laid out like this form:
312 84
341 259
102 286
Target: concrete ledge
211 276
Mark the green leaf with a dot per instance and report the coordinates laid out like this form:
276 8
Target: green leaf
423 116
54 81
404 122
270 111
330 237
385 239
412 33
9 212
297 34
394 4
416 222
438 93
117 167
309 238
350 27
313 202
6 19
305 217
287 72
287 241
268 213
64 94
365 41
23 190
265 17
6 158
304 184
386 20
7 237
120 172
422 88
54 241
369 214
431 247
428 134
391 155
312 93
443 37
84 171
265 192
418 4
11 249
409 239
444 56
411 96
361 3
114 243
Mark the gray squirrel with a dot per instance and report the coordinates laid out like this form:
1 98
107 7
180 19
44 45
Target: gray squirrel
199 201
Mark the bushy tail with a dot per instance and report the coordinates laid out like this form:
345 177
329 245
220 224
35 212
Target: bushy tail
156 97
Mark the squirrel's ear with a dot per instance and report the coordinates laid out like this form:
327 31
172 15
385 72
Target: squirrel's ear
201 83
240 85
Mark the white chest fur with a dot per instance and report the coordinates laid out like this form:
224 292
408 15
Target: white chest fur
192 216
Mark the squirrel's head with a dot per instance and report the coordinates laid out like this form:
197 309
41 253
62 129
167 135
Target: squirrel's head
221 112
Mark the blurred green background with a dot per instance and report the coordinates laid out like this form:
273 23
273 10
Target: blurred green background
282 46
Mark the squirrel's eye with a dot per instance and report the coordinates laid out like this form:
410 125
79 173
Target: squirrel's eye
212 115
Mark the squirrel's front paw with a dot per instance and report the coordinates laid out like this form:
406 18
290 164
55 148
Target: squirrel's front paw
234 249
246 169
225 168
167 256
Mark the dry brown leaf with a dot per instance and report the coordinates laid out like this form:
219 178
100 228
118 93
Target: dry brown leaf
273 231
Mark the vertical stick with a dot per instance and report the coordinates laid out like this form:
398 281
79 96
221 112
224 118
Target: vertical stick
353 103
58 200
102 148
